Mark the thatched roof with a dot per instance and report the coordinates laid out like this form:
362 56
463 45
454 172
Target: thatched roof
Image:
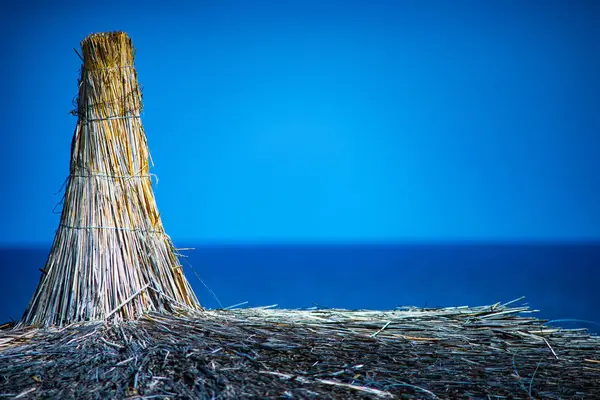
491 352
133 328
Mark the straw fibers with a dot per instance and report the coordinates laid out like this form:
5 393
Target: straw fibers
492 352
111 256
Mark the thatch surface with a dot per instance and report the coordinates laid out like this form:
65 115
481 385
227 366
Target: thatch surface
489 352
111 256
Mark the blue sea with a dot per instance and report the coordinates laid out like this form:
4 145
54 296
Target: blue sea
560 280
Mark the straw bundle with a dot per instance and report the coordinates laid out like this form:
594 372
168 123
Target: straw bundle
110 256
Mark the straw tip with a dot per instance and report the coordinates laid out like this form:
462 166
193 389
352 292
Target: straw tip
101 36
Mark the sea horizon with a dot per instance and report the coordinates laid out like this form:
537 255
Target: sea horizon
559 279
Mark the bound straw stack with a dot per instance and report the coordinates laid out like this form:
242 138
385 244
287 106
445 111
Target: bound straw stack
111 257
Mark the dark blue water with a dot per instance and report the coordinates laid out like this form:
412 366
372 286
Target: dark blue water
562 280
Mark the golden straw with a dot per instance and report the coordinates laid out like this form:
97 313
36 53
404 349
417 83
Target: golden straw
111 256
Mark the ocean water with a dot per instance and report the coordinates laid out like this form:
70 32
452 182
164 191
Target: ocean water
561 280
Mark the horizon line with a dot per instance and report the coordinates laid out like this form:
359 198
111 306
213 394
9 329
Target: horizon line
181 244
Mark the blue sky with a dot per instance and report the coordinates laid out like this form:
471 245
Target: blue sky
325 121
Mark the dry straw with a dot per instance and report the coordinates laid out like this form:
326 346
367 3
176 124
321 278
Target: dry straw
493 352
111 257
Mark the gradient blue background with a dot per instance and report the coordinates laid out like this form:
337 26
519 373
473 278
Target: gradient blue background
332 125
